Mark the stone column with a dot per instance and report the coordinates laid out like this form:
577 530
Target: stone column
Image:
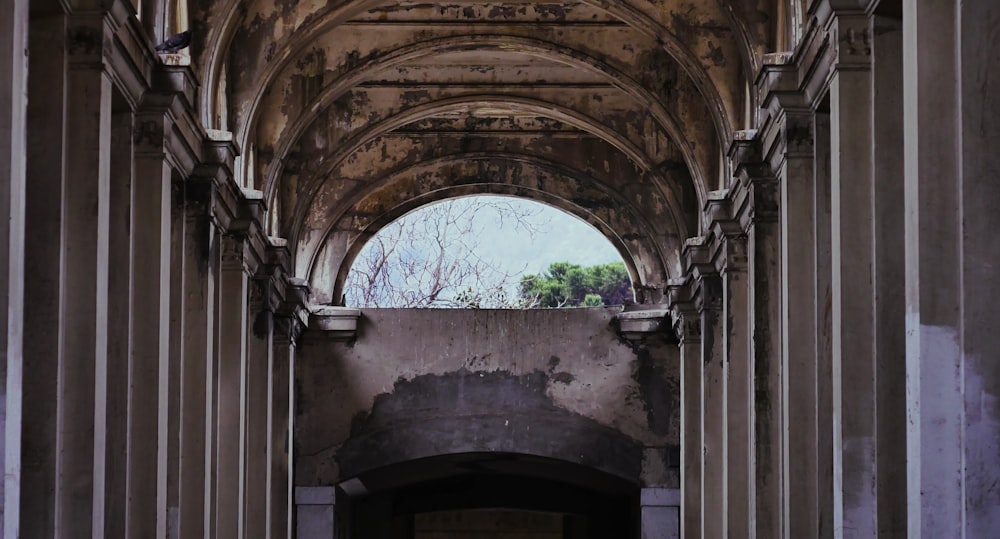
149 360
83 283
822 293
315 512
952 125
764 274
13 154
282 419
231 351
42 323
289 323
980 117
258 405
119 330
178 235
687 325
660 513
708 299
798 322
730 259
197 358
889 275
854 358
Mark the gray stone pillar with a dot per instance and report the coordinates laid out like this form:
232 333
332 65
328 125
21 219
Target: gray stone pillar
952 125
854 359
149 360
83 283
231 351
13 154
730 259
282 420
687 325
823 294
42 322
315 512
798 322
258 406
197 358
764 269
708 299
119 334
889 275
660 513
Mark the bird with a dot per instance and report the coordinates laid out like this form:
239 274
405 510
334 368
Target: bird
175 43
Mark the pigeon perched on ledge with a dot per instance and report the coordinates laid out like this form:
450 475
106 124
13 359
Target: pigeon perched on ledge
175 43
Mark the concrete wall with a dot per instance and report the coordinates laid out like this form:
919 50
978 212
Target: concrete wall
553 383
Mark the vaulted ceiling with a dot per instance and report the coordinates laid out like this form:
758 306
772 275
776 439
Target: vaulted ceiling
350 114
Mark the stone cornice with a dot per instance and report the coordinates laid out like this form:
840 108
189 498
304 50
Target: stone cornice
337 323
640 322
129 58
683 310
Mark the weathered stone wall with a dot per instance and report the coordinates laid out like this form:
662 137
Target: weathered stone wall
552 383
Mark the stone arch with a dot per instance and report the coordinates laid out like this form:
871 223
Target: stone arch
325 19
699 165
555 111
649 252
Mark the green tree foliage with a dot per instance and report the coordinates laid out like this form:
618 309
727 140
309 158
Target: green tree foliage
572 285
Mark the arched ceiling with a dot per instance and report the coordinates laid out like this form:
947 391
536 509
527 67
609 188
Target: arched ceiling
351 113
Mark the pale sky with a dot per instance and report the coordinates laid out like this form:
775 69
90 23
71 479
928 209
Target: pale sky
504 242
562 237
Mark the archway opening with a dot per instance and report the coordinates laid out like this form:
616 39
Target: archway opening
490 496
488 251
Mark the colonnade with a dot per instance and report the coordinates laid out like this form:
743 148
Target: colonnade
839 376
159 320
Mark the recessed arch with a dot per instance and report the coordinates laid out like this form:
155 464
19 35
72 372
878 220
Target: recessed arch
652 257
548 50
324 20
554 111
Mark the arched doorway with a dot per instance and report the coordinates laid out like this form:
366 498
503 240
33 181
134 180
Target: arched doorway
487 496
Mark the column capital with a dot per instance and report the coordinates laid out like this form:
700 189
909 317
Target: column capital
686 320
850 33
641 322
292 314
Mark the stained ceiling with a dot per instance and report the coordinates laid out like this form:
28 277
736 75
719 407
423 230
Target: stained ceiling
350 114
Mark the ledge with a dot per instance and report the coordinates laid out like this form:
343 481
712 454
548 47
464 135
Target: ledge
635 325
339 323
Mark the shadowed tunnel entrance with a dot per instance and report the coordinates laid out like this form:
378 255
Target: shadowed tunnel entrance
488 496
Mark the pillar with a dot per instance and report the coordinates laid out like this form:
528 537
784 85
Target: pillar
83 284
279 507
118 327
731 264
13 154
687 325
42 322
798 322
980 120
822 293
660 513
854 360
315 512
715 513
231 348
889 274
764 274
197 357
149 360
258 405
950 95
708 300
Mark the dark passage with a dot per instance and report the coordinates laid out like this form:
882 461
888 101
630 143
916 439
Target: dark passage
491 496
